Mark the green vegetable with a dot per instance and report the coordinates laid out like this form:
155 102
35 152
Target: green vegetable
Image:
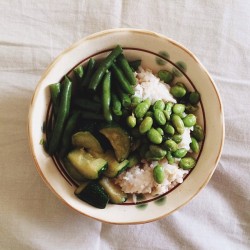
104 65
150 114
178 123
92 193
124 84
178 108
124 98
88 115
106 97
87 104
187 163
180 153
177 138
198 133
116 104
79 72
159 105
194 145
135 64
189 120
157 151
131 121
160 130
124 65
169 129
168 110
159 117
170 145
170 158
165 76
116 195
154 136
72 171
191 108
133 160
63 112
146 125
158 173
142 108
178 91
194 98
55 96
88 73
135 100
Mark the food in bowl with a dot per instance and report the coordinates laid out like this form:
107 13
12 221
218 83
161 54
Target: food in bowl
122 131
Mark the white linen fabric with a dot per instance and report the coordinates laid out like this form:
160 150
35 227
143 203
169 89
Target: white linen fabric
33 33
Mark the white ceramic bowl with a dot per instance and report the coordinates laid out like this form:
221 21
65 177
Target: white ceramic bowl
157 52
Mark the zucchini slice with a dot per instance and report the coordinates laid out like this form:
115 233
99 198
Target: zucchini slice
114 167
88 166
93 194
119 140
84 139
116 195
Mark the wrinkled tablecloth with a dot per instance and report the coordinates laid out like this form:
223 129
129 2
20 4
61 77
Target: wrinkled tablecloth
33 33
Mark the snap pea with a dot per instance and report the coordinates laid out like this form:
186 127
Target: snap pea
145 125
142 108
165 76
88 72
63 112
157 151
168 110
194 145
158 174
154 136
160 130
106 96
159 105
88 104
178 108
67 133
124 65
194 98
116 104
178 123
55 96
124 98
189 120
170 158
198 133
159 117
124 84
177 138
104 65
135 100
169 129
131 121
79 72
187 163
178 91
135 64
170 145
180 153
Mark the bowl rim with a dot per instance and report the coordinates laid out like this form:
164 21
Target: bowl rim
72 47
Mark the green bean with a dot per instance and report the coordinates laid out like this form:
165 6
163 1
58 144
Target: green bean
106 97
168 110
189 120
79 72
67 133
169 129
124 84
180 153
159 105
55 96
146 125
194 145
177 138
104 65
133 160
170 158
157 151
178 123
198 133
159 117
178 108
135 100
187 163
154 136
159 174
131 121
170 145
88 72
87 104
116 104
194 98
124 65
160 130
165 76
142 108
134 64
63 112
178 91
124 98
91 116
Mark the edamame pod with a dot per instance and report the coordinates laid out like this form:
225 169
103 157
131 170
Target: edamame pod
169 129
187 163
180 153
165 76
159 174
170 158
154 136
178 91
194 145
194 98
142 108
159 117
157 151
131 121
159 105
170 145
168 110
178 108
145 125
178 123
198 133
189 120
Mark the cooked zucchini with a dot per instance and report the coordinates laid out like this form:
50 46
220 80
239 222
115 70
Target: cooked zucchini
93 194
119 140
86 164
84 139
116 195
114 167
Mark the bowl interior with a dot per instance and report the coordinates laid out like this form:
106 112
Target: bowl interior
156 52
